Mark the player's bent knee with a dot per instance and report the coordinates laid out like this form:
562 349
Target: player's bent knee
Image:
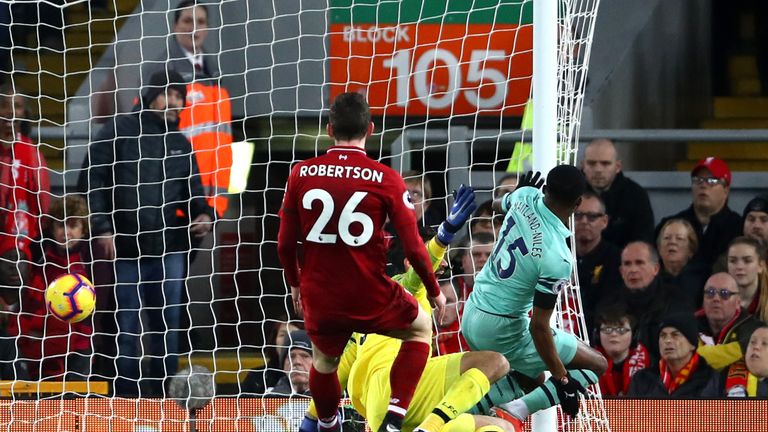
421 327
323 363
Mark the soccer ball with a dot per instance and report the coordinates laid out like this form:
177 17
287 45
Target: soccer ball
70 298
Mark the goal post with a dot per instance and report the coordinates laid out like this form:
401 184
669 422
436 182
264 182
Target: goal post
447 81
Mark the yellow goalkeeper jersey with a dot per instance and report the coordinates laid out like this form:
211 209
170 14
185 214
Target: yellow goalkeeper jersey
366 354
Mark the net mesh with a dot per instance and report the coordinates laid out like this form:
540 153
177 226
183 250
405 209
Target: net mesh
448 83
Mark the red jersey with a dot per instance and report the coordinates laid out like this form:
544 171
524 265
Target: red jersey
337 205
42 335
24 196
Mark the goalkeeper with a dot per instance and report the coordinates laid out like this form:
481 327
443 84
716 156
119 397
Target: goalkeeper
450 385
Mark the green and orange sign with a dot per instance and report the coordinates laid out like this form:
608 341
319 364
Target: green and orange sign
433 57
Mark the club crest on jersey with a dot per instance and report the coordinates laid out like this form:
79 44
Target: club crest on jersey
408 201
560 285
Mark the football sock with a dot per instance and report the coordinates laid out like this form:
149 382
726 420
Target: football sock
461 396
326 392
463 423
502 391
545 395
490 428
405 374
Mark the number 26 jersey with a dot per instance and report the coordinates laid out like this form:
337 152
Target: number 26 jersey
338 204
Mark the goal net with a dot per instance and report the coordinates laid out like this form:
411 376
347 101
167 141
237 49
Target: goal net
449 85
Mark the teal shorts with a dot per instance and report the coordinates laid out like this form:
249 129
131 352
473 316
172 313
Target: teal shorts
512 338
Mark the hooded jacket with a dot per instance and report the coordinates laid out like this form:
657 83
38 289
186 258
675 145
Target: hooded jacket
139 172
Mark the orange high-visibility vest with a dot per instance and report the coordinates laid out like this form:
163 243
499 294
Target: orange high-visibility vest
207 122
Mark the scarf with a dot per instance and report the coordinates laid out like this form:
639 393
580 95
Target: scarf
740 382
672 383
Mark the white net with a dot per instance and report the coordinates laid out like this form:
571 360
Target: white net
448 83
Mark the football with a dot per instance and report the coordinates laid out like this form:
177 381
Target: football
70 298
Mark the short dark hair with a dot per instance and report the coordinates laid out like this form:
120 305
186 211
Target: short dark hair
183 4
462 248
349 116
614 314
566 184
589 194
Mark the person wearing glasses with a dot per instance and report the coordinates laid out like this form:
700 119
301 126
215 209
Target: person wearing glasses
597 259
626 356
724 326
677 244
714 222
630 216
681 373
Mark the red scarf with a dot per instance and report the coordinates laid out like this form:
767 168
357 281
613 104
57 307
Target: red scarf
740 382
615 383
671 383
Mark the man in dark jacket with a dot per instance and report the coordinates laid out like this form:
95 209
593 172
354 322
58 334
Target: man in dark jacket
139 173
296 360
630 216
714 222
681 373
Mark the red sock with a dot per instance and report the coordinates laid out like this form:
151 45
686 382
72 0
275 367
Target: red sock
326 392
405 374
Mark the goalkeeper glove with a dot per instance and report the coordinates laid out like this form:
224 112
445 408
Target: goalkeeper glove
532 179
463 207
568 393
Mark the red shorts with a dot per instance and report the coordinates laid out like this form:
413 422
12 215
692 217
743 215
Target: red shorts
330 332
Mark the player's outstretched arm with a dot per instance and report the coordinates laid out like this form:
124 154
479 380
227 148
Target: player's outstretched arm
463 206
529 179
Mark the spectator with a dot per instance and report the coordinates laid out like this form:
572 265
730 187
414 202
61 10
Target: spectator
681 373
296 361
724 325
756 219
643 293
630 216
625 355
258 381
677 244
745 379
53 348
134 215
420 189
597 260
25 188
747 264
715 224
506 184
485 220
470 257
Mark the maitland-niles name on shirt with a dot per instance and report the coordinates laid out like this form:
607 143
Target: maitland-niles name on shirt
339 171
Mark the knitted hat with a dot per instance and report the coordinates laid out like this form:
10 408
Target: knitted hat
756 204
296 339
685 324
161 80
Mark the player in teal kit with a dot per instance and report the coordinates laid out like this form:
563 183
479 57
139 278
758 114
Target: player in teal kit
529 266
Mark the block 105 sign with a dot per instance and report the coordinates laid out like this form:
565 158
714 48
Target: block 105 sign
433 69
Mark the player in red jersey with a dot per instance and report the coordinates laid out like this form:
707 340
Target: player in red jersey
337 205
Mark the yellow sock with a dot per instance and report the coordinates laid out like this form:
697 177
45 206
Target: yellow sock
463 394
490 428
462 423
460 397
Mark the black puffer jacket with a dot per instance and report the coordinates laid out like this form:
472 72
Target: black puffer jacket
138 174
647 383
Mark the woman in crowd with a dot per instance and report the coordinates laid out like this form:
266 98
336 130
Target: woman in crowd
677 244
747 264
